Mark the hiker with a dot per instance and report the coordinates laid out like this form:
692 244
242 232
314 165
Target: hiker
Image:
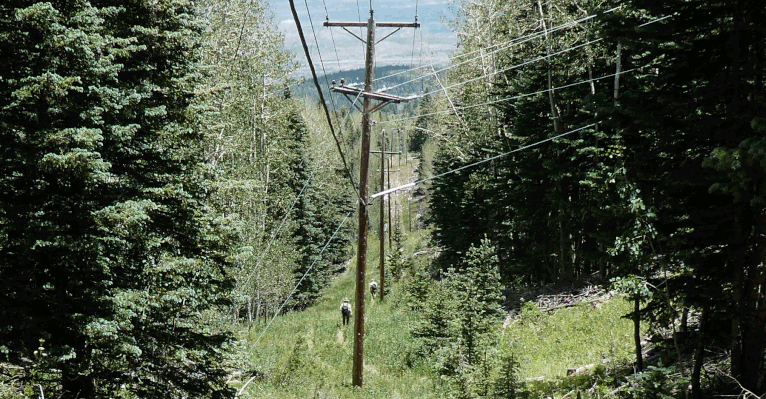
345 311
373 288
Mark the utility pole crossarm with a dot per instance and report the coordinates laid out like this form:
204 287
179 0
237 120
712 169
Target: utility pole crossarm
377 24
352 90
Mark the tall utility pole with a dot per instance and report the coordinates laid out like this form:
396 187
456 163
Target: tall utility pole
368 109
382 214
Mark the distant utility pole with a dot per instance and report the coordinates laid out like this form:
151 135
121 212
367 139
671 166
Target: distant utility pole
382 214
384 170
368 109
383 173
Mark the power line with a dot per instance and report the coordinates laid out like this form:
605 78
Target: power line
565 50
284 219
414 35
501 47
332 36
547 56
516 97
318 257
478 162
514 66
359 18
319 90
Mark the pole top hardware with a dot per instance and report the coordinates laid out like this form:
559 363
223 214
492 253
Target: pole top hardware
354 91
377 24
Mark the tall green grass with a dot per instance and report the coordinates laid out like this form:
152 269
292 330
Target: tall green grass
546 345
309 354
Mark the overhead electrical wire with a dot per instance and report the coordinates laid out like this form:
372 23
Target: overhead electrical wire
287 214
332 36
544 57
321 95
414 36
384 192
303 277
359 16
319 52
500 47
391 190
292 206
515 97
318 257
454 109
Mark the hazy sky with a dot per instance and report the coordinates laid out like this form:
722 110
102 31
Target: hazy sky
432 42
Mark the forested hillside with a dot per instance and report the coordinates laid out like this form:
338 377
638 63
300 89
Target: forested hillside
178 216
634 134
160 186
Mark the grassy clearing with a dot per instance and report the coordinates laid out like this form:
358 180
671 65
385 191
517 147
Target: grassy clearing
546 345
310 353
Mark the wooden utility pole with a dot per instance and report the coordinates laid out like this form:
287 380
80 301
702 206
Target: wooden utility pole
390 225
382 214
383 173
368 109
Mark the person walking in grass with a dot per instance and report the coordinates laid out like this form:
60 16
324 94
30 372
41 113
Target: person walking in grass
345 311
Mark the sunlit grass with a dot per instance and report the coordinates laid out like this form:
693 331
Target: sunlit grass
548 345
310 353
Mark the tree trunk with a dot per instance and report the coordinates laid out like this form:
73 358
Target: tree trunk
617 75
699 356
749 321
637 333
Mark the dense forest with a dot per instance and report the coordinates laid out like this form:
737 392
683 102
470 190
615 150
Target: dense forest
169 190
651 173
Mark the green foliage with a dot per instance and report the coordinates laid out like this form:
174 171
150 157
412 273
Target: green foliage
317 214
530 312
459 322
325 356
277 182
635 287
419 289
657 383
669 183
293 364
509 383
700 186
109 252
395 259
541 205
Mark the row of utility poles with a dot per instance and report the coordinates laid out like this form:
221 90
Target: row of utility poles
368 108
383 178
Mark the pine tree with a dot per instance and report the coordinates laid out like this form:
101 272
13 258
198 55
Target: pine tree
690 120
458 321
109 253
310 231
479 296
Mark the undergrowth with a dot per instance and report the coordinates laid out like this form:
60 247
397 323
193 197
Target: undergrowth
309 354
